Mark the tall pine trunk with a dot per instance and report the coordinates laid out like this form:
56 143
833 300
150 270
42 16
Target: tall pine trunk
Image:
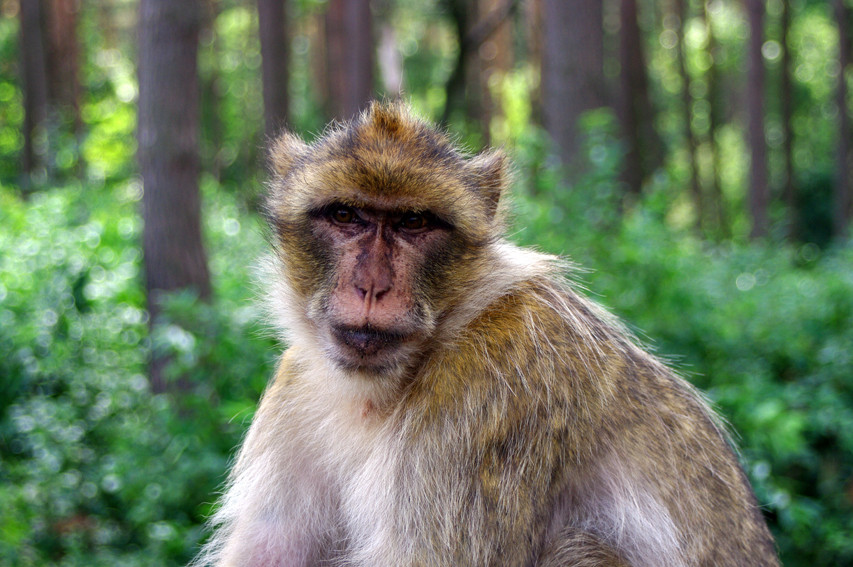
680 8
272 25
634 104
788 192
34 79
349 48
715 202
759 193
168 131
844 163
63 59
572 71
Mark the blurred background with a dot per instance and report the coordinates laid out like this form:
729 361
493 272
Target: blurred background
694 157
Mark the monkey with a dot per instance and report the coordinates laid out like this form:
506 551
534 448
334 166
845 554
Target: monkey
450 398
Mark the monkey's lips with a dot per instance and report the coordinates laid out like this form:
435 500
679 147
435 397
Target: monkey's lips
367 347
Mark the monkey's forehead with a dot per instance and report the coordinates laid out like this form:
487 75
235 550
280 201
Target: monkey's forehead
387 159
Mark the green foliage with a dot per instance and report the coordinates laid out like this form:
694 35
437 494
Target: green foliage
95 469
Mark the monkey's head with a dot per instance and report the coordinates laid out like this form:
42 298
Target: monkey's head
381 226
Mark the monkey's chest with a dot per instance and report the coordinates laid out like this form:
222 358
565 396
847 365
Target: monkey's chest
423 491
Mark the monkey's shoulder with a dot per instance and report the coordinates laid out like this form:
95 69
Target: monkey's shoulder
543 336
544 318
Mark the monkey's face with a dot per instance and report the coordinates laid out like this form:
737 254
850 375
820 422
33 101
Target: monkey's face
381 226
373 310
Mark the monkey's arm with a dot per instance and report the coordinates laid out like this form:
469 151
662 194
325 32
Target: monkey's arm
577 548
276 508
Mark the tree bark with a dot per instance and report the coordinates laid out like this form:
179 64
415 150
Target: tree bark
680 10
789 191
844 164
572 71
34 79
454 88
484 39
168 126
63 55
494 57
63 64
759 194
535 48
349 40
715 203
272 24
635 107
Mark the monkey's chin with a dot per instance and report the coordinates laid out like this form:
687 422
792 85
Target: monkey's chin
368 350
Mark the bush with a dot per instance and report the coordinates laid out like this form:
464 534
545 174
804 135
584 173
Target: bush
96 470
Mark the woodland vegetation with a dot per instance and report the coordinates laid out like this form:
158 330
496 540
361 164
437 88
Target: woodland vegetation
692 156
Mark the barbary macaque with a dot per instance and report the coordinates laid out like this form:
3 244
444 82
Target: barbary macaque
448 398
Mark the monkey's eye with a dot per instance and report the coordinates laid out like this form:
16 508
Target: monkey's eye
343 215
414 221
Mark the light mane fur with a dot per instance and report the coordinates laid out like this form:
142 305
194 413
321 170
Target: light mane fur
631 520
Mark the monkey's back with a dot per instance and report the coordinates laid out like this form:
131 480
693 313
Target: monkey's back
569 424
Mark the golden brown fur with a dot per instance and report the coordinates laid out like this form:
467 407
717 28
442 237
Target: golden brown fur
517 425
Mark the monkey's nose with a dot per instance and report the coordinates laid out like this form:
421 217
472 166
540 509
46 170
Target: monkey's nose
371 293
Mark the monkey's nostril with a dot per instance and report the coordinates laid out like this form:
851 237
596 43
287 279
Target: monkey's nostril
362 293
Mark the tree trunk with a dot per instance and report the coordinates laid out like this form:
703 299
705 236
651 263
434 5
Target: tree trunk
349 43
715 203
494 55
572 71
535 48
454 88
64 69
63 55
212 133
844 175
635 107
787 110
484 40
272 24
318 58
680 10
759 194
174 257
34 79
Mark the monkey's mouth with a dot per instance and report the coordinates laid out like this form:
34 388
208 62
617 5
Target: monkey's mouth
366 347
367 341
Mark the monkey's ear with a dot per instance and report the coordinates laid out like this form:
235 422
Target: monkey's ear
491 170
285 151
